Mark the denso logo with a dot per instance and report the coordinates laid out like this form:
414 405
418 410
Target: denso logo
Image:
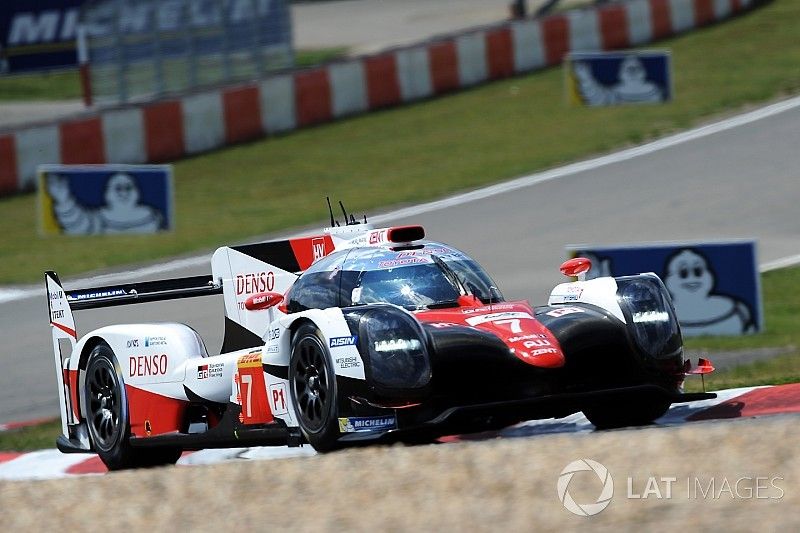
148 365
252 283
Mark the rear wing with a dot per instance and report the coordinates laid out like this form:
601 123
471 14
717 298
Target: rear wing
147 291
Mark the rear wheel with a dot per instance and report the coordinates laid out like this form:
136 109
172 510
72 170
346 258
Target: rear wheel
313 389
639 412
107 416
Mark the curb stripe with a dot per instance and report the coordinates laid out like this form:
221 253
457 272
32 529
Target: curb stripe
555 30
241 109
8 165
500 53
163 131
614 30
312 97
660 18
81 141
383 85
775 400
444 66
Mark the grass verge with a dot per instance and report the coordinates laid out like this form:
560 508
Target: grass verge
30 438
781 310
66 84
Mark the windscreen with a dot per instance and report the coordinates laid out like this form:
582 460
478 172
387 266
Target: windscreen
426 276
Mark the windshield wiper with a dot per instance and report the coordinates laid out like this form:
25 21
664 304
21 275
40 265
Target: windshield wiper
443 304
451 275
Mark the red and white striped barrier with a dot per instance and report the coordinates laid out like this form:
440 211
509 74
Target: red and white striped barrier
190 124
731 403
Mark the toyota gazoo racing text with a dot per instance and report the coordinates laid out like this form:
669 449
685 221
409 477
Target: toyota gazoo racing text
354 336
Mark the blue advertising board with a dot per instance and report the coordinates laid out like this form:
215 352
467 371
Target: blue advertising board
715 286
38 35
615 78
105 199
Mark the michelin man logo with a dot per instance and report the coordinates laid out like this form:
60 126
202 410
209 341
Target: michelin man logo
601 266
632 87
585 509
691 283
122 212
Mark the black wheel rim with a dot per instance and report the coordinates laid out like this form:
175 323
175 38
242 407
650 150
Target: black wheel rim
311 384
104 404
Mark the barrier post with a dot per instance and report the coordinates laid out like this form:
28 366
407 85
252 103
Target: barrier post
83 66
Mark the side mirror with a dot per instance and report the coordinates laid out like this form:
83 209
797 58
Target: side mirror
577 266
263 300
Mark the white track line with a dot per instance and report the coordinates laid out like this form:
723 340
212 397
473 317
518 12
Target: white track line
18 293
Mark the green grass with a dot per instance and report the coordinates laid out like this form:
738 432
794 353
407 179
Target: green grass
309 58
59 85
424 151
30 438
66 84
781 312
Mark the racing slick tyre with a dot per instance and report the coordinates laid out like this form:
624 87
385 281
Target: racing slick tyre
106 405
312 385
612 415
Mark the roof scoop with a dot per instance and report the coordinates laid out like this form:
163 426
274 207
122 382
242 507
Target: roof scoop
403 234
577 266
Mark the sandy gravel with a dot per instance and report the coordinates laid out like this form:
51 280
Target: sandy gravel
473 486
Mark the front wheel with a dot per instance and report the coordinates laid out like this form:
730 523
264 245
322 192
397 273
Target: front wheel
638 412
107 416
313 389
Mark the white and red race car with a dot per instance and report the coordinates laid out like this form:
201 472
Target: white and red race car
354 336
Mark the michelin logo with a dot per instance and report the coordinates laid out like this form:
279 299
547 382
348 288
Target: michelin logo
336 342
355 425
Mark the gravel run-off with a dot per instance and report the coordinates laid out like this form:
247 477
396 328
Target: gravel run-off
507 484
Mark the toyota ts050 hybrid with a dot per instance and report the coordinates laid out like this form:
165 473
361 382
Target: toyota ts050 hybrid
354 336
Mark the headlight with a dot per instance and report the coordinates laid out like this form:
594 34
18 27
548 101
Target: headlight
398 357
653 324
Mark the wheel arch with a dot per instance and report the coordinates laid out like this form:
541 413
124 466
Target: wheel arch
89 344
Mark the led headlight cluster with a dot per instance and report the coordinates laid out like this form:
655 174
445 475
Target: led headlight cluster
398 356
653 323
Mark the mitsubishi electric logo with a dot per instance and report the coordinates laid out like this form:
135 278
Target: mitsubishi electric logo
606 493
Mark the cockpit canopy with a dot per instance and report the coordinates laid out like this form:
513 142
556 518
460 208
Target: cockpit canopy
428 275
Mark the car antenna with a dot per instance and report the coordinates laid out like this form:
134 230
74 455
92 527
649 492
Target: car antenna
348 223
330 210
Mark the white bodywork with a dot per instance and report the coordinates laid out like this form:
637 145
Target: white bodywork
601 292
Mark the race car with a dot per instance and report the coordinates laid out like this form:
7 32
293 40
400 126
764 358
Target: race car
355 336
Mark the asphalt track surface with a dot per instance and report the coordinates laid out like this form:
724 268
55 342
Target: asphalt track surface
740 182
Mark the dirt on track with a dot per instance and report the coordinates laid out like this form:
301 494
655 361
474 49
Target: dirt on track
507 484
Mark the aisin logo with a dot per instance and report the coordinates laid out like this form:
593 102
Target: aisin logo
585 509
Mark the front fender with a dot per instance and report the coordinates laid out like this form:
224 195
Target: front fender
342 344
